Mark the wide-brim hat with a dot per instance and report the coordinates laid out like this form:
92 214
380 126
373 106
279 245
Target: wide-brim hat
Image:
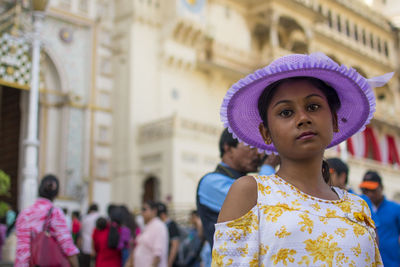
239 110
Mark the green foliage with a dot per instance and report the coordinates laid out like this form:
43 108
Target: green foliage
5 184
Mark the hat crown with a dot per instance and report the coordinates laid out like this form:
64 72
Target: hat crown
295 59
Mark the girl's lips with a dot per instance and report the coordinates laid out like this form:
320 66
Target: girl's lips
306 135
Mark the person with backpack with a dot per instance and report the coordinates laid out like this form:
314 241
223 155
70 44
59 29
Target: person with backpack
174 234
105 243
191 244
42 221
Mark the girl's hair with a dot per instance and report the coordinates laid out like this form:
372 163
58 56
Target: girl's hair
128 219
116 220
332 98
101 223
49 187
153 205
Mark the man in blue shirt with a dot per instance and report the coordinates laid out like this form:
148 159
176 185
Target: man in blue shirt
388 213
237 160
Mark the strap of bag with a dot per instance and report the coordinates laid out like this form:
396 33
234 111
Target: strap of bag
46 224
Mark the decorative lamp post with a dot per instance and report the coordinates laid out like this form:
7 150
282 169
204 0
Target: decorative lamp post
31 143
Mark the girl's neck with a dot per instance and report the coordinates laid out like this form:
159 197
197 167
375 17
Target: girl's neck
306 175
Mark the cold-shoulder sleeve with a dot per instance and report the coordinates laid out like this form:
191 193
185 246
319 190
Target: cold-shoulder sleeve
236 242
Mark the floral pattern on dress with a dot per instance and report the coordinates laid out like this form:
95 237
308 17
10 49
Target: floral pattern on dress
290 228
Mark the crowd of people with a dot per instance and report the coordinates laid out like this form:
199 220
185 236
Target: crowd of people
119 239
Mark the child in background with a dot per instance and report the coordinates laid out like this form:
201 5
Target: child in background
76 225
105 256
297 106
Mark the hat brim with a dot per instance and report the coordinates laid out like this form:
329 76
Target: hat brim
371 185
239 111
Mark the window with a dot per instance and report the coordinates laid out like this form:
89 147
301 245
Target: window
364 37
330 23
339 23
355 32
347 28
378 43
371 39
385 47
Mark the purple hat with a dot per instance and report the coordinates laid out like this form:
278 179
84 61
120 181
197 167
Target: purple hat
239 110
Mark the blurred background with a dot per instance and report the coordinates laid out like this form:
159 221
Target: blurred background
129 90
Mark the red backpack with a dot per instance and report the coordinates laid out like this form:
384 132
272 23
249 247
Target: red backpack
45 251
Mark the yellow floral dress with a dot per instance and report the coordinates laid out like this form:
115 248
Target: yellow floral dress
290 228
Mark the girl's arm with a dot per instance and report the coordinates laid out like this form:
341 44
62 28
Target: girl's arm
241 198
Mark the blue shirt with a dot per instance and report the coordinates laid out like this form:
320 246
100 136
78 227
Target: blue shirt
388 213
215 186
374 216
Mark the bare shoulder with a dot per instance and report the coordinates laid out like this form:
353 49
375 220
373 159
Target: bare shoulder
241 198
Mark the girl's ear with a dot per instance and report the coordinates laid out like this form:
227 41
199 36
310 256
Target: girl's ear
335 123
265 133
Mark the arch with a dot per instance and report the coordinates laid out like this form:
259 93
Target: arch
292 35
59 68
151 186
53 119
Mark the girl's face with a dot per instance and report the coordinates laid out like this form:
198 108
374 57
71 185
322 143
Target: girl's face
300 122
148 213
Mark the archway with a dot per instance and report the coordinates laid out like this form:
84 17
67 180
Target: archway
292 36
151 189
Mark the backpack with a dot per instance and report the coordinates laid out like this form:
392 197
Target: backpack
190 246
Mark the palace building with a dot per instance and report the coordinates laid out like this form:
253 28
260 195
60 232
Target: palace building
75 108
131 89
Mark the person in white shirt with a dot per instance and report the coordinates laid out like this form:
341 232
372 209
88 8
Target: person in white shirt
87 226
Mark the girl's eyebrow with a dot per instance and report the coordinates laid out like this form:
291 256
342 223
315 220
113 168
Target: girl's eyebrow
289 101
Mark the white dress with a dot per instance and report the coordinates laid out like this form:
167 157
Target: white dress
290 228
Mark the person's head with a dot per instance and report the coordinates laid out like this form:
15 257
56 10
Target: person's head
237 155
116 215
65 211
299 116
162 211
76 214
372 187
93 208
339 172
101 223
194 217
110 208
149 211
49 187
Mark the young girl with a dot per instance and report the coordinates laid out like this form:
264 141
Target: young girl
297 106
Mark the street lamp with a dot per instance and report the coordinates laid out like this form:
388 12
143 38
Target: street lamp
30 171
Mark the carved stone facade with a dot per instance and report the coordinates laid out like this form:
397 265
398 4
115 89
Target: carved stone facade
175 59
75 120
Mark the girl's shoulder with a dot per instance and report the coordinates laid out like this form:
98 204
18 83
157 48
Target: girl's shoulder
241 198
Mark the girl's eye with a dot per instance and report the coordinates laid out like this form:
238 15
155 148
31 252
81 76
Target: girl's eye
285 113
313 107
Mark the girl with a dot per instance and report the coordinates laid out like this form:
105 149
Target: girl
297 106
106 256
